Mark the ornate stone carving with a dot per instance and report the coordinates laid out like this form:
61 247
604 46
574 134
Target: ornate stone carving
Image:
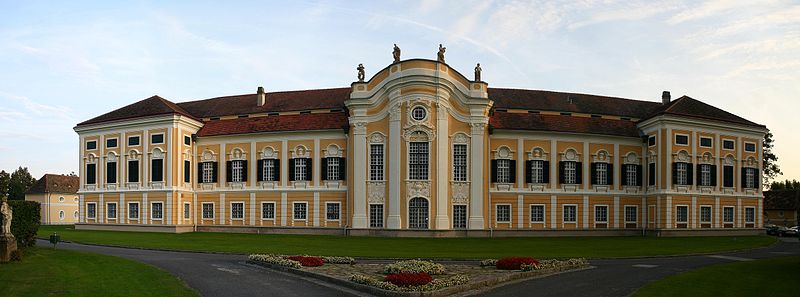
460 192
394 112
602 156
376 137
111 157
440 54
91 158
268 153
157 154
360 69
682 156
301 151
707 158
729 160
570 155
359 127
376 191
419 133
333 151
503 153
478 72
237 154
418 189
133 155
537 154
460 138
631 158
477 128
396 53
208 156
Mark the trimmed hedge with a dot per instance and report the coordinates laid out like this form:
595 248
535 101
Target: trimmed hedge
25 220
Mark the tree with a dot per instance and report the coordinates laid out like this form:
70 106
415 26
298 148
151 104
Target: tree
771 168
20 181
5 178
785 185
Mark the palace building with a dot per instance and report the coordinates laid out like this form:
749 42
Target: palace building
421 150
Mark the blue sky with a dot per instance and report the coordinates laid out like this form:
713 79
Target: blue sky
66 61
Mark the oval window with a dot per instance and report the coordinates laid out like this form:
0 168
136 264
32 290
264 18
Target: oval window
418 113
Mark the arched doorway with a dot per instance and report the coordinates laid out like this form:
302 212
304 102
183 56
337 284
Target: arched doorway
418 213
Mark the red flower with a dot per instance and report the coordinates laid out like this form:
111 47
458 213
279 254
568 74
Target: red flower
514 263
307 261
409 279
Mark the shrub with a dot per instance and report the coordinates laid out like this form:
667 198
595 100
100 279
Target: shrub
307 261
515 263
25 221
276 260
339 260
553 264
409 279
489 262
414 266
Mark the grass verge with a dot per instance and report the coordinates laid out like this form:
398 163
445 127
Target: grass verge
435 248
57 272
768 277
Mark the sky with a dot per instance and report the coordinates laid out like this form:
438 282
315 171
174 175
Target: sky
63 62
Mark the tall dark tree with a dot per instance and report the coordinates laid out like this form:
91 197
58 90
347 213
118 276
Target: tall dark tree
5 178
771 168
785 185
20 181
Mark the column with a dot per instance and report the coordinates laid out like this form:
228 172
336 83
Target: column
587 179
668 158
100 209
694 212
669 213
693 161
222 176
477 176
553 210
253 166
717 212
284 201
394 220
586 211
143 209
739 222
317 211
442 172
617 172
284 162
359 175
194 206
253 209
222 208
121 208
81 217
616 211
520 211
169 209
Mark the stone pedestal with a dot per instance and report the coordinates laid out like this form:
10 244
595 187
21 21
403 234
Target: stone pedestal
8 244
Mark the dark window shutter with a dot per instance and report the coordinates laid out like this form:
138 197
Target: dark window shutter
743 177
727 176
494 171
561 177
215 172
528 168
244 170
512 171
187 171
228 171
578 172
699 176
675 173
342 169
713 175
593 174
291 169
689 173
624 179
111 172
323 163
639 175
277 171
651 174
133 171
260 170
199 172
309 169
756 178
610 174
545 171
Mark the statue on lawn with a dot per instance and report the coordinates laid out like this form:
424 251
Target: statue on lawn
6 213
8 243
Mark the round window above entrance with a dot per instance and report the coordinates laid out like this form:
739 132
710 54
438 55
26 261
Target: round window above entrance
418 113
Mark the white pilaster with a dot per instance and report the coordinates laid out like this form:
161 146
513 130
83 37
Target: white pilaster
616 211
644 217
284 166
222 175
520 211
253 167
553 168
121 209
169 209
394 220
739 213
476 220
443 168
194 208
284 210
553 210
101 209
81 216
360 175
253 209
717 212
317 211
144 207
694 212
668 157
222 208
144 176
586 211
669 213
168 168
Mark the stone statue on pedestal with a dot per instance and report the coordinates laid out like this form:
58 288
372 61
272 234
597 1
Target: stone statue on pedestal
396 53
440 54
360 69
478 72
8 243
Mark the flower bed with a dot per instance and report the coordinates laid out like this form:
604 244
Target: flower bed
307 261
415 266
408 279
339 260
515 263
434 285
276 260
555 264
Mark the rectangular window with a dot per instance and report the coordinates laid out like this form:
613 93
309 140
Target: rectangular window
727 214
750 147
133 211
157 138
133 140
705 214
237 211
376 215
208 172
570 214
299 212
570 172
681 214
187 171
111 210
601 172
705 175
333 168
418 160
208 210
332 211
157 211
681 139
682 173
728 144
187 140
267 210
91 174
157 170
91 145
376 162
706 142
91 210
537 171
631 176
459 216
111 172
601 214
460 162
631 214
537 213
503 171
187 211
111 143
237 171
133 171
651 141
300 169
268 169
749 215
750 178
503 213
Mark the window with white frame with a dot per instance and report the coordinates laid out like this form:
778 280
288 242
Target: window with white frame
91 210
299 212
157 210
333 168
61 215
418 160
332 211
727 214
631 175
237 171
187 211
705 214
750 147
749 215
503 213
76 215
631 214
459 216
133 171
376 215
111 210
682 214
706 142
91 174
601 214
268 210
111 171
133 140
728 144
208 172
268 170
570 174
750 178
682 173
601 172
300 170
537 213
157 138
681 139
133 211
503 170
570 214
705 174
537 171
460 162
157 170
208 210
237 211
376 162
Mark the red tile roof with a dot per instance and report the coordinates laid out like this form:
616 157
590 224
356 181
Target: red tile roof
570 102
275 102
559 123
54 183
304 122
152 106
686 106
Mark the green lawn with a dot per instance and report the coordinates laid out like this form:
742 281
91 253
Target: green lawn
48 272
769 277
454 248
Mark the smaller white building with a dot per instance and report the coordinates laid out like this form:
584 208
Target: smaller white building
59 199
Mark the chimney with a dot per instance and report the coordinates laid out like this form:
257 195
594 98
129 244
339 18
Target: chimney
262 97
665 97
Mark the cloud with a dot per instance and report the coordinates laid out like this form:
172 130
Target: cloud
711 9
627 12
41 111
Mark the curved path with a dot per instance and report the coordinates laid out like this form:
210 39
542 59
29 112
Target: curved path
229 275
